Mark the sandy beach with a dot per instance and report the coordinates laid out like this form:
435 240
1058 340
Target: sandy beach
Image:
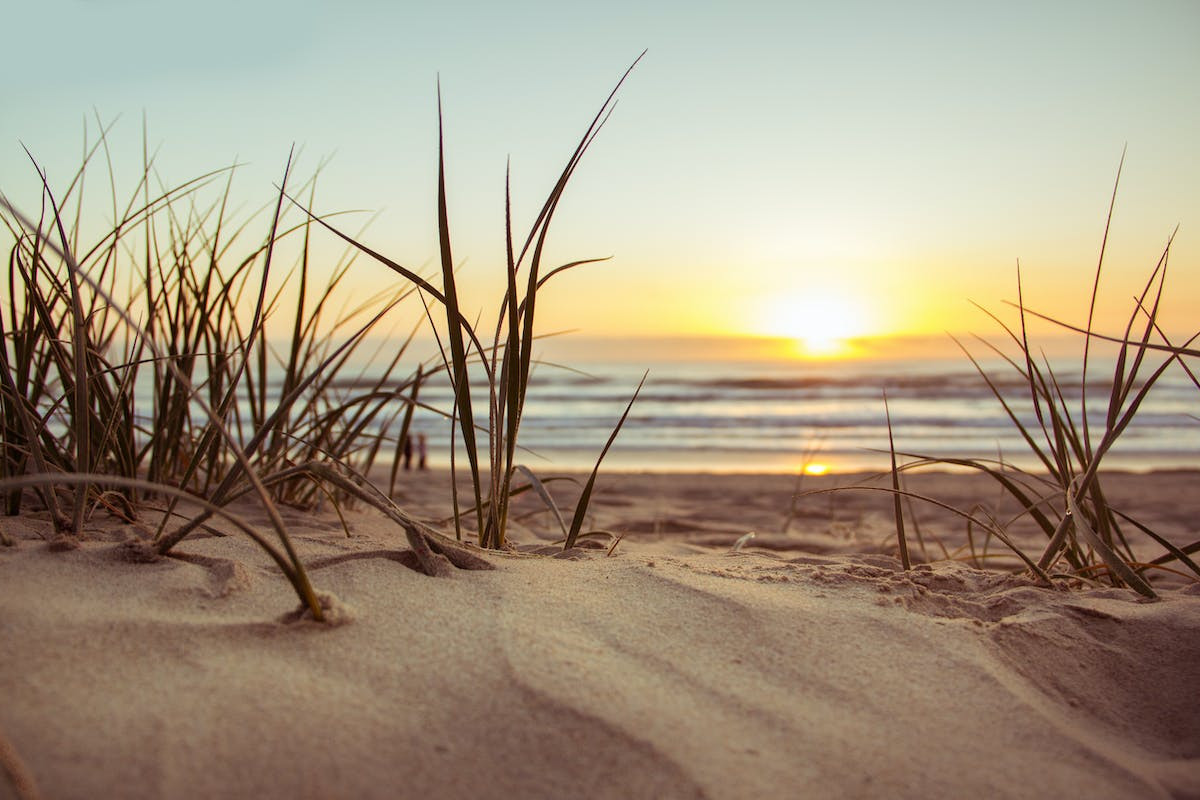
805 664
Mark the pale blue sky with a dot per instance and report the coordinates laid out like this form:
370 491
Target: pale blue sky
901 154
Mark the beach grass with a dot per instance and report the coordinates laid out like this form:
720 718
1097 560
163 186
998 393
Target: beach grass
168 391
1086 536
506 358
148 365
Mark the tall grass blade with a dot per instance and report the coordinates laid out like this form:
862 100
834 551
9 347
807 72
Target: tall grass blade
1174 553
1087 340
81 415
585 496
1110 558
285 563
901 540
454 333
544 494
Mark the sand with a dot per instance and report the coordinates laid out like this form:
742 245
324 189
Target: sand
807 664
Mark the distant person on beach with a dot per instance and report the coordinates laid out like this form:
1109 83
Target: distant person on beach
408 452
422 451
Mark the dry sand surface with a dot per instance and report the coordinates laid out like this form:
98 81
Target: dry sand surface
808 664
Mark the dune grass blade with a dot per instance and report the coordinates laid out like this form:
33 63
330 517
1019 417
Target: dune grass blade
1007 483
286 565
78 392
1186 550
1121 414
1110 558
585 496
540 488
1087 340
1032 378
597 122
521 315
460 378
506 398
1174 553
424 538
421 283
405 427
293 361
1021 428
22 438
992 530
1175 350
901 540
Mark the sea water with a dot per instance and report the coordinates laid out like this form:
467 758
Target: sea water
789 415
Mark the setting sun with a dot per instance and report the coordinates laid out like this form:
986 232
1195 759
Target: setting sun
821 324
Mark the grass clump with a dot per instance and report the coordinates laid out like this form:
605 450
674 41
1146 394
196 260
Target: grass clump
505 358
146 365
172 391
1086 536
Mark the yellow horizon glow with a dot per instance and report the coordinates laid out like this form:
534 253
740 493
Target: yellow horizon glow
820 324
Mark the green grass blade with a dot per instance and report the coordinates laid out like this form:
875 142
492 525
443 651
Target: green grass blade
901 540
1087 339
585 497
1114 562
81 416
540 489
1174 553
455 325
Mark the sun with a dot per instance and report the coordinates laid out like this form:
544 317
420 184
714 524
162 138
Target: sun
822 324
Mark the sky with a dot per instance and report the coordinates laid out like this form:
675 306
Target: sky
796 169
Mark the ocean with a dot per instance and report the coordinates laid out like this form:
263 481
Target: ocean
791 415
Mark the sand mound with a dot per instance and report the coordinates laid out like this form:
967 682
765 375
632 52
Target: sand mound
669 669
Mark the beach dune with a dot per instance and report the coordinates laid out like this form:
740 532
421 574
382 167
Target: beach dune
670 667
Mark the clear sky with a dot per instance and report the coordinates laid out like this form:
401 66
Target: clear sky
862 168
